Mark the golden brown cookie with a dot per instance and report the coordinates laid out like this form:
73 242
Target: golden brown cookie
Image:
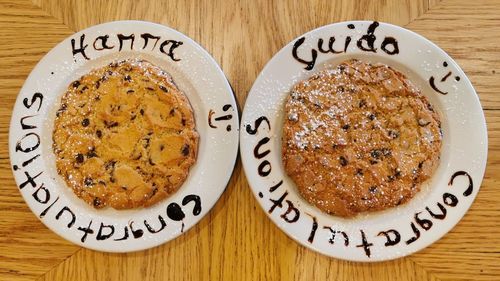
359 137
124 135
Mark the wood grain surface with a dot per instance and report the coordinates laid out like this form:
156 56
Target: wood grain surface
236 241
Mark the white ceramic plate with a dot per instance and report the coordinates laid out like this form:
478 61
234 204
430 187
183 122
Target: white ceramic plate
389 234
30 139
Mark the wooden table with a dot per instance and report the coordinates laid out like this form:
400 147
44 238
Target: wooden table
236 241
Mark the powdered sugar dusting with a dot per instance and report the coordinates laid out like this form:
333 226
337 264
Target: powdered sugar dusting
359 133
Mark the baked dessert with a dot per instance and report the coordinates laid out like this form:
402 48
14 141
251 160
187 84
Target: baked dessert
359 137
124 135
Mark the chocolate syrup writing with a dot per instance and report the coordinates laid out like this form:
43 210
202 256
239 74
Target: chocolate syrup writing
27 153
365 43
104 42
290 212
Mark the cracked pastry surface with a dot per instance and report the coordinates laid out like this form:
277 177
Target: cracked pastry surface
359 137
124 136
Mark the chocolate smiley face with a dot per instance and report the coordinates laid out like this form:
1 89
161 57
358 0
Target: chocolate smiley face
432 80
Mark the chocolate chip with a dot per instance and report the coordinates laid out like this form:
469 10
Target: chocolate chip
183 122
185 150
61 109
110 165
343 161
88 182
98 133
346 127
142 111
391 178
97 202
340 89
84 88
163 88
155 190
400 201
151 162
97 84
162 147
393 134
376 153
420 165
112 180
79 158
373 189
146 144
362 103
91 153
85 122
172 112
397 174
76 84
130 91
124 187
371 116
359 172
127 78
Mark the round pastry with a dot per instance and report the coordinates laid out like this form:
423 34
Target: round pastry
124 136
359 137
